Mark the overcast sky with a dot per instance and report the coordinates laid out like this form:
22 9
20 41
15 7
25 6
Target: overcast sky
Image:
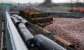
37 1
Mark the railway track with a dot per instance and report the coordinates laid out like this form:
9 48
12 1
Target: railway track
27 35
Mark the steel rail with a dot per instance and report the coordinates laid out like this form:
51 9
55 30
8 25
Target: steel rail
16 41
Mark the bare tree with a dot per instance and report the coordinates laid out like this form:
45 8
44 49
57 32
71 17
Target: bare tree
48 1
